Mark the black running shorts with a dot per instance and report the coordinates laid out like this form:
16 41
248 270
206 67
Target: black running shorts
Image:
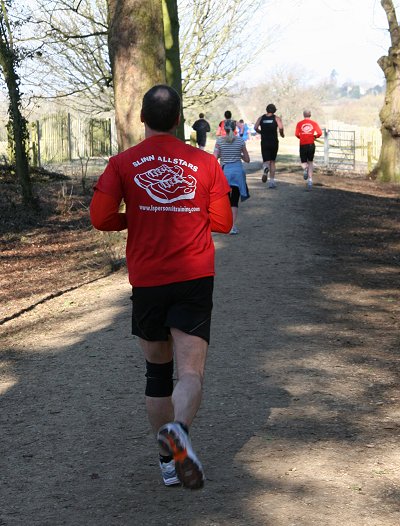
269 150
307 152
186 306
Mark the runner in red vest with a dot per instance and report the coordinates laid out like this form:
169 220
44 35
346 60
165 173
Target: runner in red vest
175 195
307 131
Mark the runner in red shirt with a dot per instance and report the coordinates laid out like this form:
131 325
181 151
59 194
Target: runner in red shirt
175 195
221 132
307 131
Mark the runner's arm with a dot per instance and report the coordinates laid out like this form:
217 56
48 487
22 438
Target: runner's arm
257 125
245 154
216 151
280 127
220 213
104 213
318 131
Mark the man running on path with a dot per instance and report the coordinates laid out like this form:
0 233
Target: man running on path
307 131
268 125
175 195
201 127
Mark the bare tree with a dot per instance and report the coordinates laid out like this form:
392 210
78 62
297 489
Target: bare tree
216 45
71 59
9 61
75 53
388 167
137 56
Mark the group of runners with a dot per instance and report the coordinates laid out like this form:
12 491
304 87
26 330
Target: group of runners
175 196
230 149
270 126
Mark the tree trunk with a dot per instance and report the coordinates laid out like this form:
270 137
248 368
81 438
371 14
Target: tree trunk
19 131
172 53
20 136
137 55
388 167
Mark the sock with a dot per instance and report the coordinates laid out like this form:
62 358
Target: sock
184 427
164 459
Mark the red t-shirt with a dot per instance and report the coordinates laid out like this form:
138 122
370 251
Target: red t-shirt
307 131
167 187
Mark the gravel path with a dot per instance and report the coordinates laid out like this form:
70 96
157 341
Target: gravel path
300 420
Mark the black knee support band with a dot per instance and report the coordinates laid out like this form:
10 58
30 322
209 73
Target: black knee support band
159 379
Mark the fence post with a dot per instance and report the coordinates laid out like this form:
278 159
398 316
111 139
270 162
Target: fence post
69 136
369 156
326 147
39 161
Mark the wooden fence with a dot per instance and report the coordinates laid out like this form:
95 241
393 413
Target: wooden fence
62 137
65 138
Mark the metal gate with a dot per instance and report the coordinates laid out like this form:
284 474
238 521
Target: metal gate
337 150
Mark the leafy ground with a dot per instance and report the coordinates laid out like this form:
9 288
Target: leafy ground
47 253
300 420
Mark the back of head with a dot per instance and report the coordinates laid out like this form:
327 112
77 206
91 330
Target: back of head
306 114
228 114
201 115
161 108
229 127
271 108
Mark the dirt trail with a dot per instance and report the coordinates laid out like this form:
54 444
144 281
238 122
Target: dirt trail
300 419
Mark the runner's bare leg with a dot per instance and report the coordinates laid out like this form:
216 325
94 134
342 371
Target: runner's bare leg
272 169
310 170
190 357
159 410
190 354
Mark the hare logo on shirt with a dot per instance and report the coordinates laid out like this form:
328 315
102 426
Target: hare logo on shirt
167 184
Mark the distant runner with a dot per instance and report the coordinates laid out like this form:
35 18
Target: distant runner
201 126
307 131
268 125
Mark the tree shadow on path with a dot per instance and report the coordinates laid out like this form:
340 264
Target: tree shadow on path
303 353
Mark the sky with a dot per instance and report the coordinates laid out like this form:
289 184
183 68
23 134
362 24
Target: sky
319 36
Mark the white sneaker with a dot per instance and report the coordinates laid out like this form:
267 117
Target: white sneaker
309 184
168 473
272 183
234 231
188 467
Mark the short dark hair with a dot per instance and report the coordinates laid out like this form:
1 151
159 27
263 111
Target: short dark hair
201 115
230 125
271 108
161 107
228 114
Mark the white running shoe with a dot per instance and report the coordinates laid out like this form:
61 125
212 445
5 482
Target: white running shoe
168 473
188 467
234 231
309 184
272 183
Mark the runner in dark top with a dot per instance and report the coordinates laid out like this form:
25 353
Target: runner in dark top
201 126
268 125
